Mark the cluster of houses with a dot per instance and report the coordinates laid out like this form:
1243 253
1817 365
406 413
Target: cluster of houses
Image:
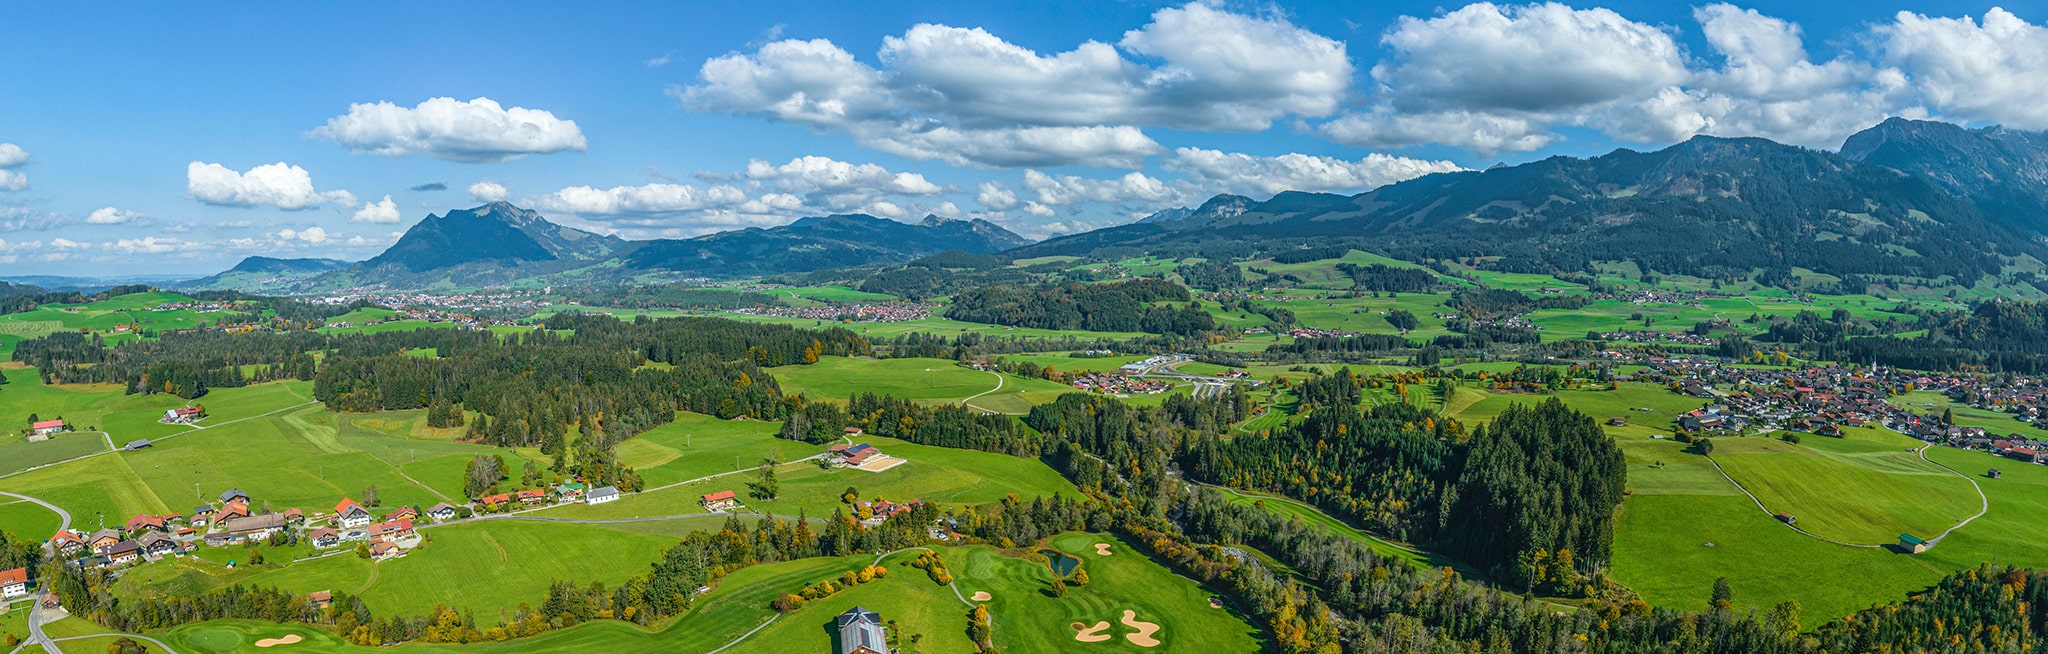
1118 384
881 510
1646 336
848 312
184 416
1826 400
564 493
149 537
1654 296
1318 332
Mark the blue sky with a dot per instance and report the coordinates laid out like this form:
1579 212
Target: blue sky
161 138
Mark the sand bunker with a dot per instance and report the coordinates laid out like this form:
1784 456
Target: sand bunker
273 642
1215 602
1102 549
1143 638
981 596
1092 634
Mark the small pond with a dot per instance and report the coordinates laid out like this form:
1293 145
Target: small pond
1062 564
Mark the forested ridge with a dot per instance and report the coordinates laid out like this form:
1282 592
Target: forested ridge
1124 306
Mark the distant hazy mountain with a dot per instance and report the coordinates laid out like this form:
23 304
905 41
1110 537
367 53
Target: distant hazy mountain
263 274
1708 206
1217 208
275 265
2004 171
498 243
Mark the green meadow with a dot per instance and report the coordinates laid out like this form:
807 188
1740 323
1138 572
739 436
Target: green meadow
927 380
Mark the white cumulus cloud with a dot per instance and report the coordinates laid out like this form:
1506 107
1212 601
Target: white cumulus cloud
111 216
314 235
645 199
487 191
11 157
1243 173
1990 70
280 185
815 174
966 96
479 130
383 211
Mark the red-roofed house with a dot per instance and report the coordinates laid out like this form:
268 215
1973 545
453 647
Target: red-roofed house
532 495
350 514
47 427
145 522
720 501
390 530
14 583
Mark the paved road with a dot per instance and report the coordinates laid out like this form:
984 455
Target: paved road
35 617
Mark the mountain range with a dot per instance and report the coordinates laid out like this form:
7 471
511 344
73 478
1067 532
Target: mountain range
1924 200
499 244
1917 199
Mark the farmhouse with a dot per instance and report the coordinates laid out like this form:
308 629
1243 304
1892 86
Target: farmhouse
532 496
601 495
14 583
67 542
103 540
350 514
386 550
441 512
230 511
854 455
391 530
323 537
157 544
570 492
1913 544
47 427
183 416
201 515
234 495
405 512
860 632
319 599
720 501
124 553
254 527
145 523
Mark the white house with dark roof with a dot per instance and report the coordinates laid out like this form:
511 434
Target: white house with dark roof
601 495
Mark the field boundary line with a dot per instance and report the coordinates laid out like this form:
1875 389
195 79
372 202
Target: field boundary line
1774 516
736 641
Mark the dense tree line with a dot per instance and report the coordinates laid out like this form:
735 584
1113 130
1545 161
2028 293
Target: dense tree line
183 363
1124 306
1496 303
1992 336
1383 278
1213 274
948 425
